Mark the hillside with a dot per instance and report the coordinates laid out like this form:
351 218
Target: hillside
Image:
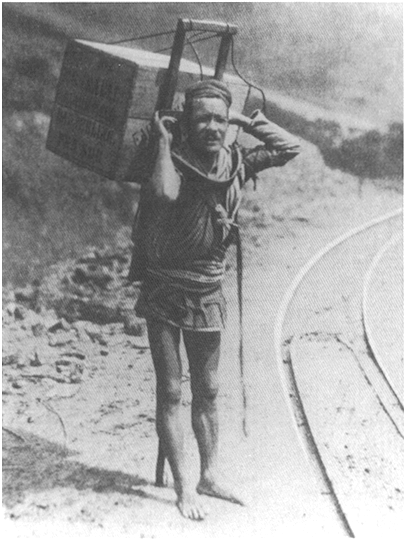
345 58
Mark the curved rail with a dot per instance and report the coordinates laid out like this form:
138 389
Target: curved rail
368 332
287 376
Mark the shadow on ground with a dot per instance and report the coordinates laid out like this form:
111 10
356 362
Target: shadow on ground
33 464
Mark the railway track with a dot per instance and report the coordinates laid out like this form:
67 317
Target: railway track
344 397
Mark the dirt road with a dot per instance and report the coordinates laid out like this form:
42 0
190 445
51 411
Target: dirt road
82 456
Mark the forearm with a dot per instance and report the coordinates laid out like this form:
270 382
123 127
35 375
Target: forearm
164 181
273 136
278 148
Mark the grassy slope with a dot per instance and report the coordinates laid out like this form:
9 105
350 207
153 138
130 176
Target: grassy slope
52 208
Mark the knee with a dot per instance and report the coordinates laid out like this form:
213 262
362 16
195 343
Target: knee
170 393
206 390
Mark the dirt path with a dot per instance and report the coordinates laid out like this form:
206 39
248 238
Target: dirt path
101 483
384 312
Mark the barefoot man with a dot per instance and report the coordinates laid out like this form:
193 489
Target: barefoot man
185 223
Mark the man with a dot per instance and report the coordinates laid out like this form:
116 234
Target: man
184 225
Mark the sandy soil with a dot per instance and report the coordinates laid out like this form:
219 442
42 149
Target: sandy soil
80 457
384 314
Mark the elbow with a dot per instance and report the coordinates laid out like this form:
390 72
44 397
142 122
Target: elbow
166 193
292 146
165 186
295 151
284 157
171 193
292 150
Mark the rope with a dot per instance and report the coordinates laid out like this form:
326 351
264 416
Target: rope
251 85
197 56
195 41
146 36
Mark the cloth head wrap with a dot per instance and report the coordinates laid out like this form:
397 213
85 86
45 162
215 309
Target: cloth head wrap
209 88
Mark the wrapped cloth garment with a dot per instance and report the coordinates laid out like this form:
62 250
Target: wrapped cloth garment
180 246
203 309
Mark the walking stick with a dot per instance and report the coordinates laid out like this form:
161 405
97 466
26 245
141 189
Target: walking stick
160 466
165 100
239 265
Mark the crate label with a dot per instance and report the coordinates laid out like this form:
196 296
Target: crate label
91 107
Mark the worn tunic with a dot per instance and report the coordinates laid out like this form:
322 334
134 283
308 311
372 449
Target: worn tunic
180 246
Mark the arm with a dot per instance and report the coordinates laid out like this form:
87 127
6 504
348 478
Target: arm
164 181
278 147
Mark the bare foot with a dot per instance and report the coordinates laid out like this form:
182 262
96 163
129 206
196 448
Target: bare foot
208 486
191 507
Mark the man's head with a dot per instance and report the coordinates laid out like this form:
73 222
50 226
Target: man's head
206 114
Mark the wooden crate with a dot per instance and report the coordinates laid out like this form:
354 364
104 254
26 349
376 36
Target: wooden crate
106 94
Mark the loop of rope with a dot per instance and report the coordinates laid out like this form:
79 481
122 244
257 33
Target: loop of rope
251 85
197 57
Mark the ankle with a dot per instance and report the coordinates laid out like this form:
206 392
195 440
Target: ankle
183 486
208 474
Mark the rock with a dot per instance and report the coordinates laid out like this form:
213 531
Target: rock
8 295
27 294
61 338
80 325
43 371
76 354
104 352
113 328
20 312
30 319
139 342
95 333
96 274
60 325
92 288
133 325
50 318
11 308
61 364
38 329
102 310
81 334
11 358
71 370
35 359
116 340
22 361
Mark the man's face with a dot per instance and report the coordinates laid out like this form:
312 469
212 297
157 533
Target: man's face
208 123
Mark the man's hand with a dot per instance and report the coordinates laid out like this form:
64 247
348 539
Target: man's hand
162 128
238 119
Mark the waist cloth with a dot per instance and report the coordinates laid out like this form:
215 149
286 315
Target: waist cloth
183 305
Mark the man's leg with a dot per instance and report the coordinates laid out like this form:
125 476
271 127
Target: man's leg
164 343
203 349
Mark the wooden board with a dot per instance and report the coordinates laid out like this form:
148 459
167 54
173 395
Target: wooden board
106 94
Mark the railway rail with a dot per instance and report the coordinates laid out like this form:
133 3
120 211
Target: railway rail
347 409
